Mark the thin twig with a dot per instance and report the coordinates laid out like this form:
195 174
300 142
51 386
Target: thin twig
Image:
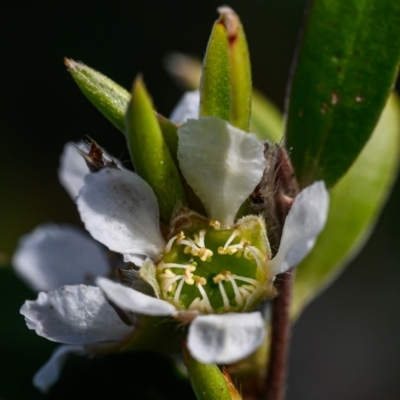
275 384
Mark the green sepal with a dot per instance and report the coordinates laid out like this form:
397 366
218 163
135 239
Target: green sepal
355 204
239 69
107 96
170 133
207 380
214 84
266 120
149 152
226 86
112 100
346 67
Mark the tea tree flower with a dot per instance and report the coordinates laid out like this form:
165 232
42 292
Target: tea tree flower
53 256
210 272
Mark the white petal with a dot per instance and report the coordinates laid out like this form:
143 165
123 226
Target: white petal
187 108
73 168
135 258
49 373
120 210
52 256
221 163
225 338
305 221
131 300
74 315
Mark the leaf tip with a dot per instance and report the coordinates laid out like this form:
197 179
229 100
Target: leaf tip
138 84
71 64
229 19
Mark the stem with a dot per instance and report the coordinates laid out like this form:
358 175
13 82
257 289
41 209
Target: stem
208 382
274 388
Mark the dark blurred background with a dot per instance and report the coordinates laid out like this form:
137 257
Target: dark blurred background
346 345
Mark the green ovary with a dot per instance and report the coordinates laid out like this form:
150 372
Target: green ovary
213 270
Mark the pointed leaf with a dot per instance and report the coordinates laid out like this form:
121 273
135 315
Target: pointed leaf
107 96
346 67
112 100
149 152
170 133
215 85
239 69
356 201
266 120
226 80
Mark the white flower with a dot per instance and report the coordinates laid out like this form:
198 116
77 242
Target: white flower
52 256
210 272
59 260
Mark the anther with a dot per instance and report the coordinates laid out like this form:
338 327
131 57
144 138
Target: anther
215 224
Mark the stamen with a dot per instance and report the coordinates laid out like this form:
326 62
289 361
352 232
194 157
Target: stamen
171 241
194 304
215 224
167 274
189 275
202 235
244 292
203 307
173 265
253 250
238 297
196 239
220 277
231 238
167 285
224 296
205 254
250 288
189 243
178 292
245 279
200 282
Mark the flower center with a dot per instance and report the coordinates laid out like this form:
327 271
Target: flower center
213 270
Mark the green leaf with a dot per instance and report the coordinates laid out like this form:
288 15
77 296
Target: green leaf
215 85
150 154
207 380
346 67
356 201
239 69
266 120
107 96
226 85
170 133
112 100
